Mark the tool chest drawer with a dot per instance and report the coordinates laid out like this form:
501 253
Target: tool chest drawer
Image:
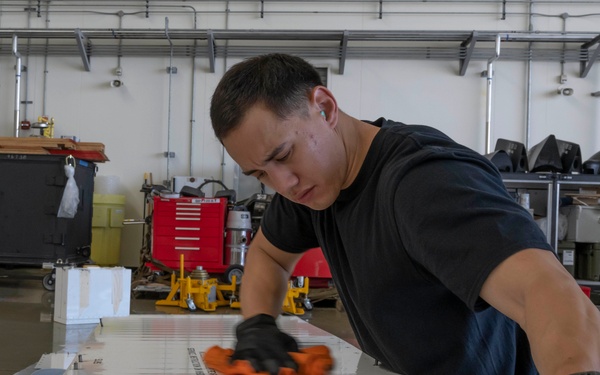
195 254
175 220
194 227
206 207
180 229
196 242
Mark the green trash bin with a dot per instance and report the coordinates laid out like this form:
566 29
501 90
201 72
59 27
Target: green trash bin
107 223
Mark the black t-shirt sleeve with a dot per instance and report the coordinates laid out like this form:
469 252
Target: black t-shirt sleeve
288 226
456 218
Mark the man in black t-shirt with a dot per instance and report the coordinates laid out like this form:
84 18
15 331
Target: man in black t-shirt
403 215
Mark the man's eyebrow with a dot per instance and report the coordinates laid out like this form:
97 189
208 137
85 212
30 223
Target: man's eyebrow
273 153
269 157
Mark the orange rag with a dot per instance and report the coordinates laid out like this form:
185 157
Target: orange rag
314 360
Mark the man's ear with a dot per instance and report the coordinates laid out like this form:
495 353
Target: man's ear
325 104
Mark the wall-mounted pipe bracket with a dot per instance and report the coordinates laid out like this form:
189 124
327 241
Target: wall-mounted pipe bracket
343 50
585 66
84 45
467 48
210 38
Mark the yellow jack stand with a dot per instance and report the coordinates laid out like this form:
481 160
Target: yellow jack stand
231 288
290 304
203 293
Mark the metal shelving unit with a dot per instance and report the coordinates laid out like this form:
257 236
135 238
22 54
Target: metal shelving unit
555 184
460 46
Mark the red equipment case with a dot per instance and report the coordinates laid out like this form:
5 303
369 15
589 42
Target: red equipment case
191 226
313 265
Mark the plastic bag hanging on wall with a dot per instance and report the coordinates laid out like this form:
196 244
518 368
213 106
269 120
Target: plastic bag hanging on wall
70 198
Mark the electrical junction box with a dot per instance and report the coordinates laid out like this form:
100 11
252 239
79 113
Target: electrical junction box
583 223
85 295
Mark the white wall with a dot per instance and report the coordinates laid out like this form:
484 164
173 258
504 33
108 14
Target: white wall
143 119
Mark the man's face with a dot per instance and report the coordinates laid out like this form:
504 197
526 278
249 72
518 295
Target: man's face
302 157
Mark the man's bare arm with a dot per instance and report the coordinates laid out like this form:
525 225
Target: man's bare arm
562 324
266 274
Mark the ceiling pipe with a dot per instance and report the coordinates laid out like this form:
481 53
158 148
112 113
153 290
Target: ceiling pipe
17 85
490 79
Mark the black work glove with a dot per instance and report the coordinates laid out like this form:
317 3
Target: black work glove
260 342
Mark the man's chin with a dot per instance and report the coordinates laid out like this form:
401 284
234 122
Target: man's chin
317 206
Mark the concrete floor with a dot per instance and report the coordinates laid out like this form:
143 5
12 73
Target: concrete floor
29 331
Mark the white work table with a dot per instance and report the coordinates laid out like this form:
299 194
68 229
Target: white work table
174 344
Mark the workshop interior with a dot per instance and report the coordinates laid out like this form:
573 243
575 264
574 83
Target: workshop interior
124 223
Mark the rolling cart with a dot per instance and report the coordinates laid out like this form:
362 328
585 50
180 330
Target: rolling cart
31 234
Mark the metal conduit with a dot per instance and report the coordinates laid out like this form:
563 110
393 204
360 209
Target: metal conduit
512 54
490 79
528 82
165 10
153 3
17 85
45 53
170 96
192 100
169 6
305 35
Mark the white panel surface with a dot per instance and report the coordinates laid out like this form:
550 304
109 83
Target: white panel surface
174 344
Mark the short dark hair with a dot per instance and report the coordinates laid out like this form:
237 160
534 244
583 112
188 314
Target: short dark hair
281 82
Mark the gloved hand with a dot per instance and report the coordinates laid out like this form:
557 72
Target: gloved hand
260 342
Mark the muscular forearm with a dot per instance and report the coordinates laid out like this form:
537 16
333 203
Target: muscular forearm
562 325
564 336
264 285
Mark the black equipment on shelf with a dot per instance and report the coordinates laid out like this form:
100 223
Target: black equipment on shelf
545 156
570 156
501 160
517 153
592 165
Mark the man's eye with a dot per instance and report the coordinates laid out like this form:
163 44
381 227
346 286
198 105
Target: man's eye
284 157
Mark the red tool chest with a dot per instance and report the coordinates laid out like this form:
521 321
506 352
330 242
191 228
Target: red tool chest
191 226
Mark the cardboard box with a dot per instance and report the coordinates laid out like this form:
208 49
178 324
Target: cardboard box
84 295
583 223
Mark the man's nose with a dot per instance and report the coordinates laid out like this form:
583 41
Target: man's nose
282 180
